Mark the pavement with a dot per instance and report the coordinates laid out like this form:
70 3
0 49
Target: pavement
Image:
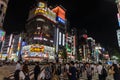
8 70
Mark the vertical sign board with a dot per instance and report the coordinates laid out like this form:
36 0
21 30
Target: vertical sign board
60 38
118 37
118 16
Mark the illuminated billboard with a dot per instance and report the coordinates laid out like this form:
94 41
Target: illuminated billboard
46 12
118 37
118 15
60 12
37 49
2 34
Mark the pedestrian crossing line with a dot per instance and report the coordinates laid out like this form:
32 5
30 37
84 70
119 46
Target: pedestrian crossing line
11 76
32 77
31 74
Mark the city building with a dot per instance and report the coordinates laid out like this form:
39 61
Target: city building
60 32
46 29
71 44
5 47
3 8
11 46
41 33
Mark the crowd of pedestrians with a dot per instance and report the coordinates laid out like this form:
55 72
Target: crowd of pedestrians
69 71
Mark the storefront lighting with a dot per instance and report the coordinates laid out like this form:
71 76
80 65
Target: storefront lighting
45 39
51 41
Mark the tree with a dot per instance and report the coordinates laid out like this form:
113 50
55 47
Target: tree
115 52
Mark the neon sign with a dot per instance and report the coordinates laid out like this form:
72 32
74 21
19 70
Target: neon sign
60 20
41 10
37 49
47 13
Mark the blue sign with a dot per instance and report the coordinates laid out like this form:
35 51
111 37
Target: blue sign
119 23
24 43
60 20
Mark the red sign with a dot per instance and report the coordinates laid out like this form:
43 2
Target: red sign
60 12
85 36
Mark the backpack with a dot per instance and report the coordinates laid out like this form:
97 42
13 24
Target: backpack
16 74
27 77
47 73
104 72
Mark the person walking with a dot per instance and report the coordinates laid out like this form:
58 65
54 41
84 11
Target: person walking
36 71
18 66
116 74
99 70
88 71
72 71
24 73
110 73
17 70
47 72
104 73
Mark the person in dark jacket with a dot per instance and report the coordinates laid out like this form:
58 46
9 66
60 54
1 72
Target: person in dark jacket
36 71
72 71
116 74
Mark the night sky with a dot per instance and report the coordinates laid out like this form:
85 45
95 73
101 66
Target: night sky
99 17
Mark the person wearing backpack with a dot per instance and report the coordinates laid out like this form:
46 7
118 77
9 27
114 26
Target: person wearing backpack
47 72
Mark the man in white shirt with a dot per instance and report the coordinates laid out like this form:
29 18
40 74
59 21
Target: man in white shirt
67 67
99 69
18 66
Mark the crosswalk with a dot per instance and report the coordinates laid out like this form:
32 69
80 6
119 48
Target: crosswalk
31 73
11 76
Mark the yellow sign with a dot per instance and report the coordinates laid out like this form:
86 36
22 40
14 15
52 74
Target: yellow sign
37 49
40 10
47 13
